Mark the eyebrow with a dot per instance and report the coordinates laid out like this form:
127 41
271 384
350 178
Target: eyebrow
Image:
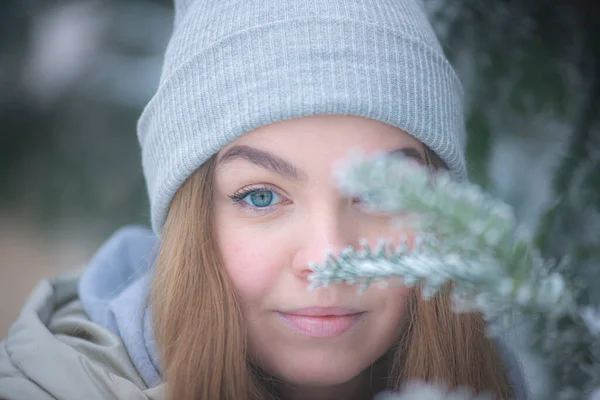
282 167
411 152
265 160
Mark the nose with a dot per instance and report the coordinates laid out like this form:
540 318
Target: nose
329 231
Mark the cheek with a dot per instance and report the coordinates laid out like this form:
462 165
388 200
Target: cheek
391 312
252 265
392 298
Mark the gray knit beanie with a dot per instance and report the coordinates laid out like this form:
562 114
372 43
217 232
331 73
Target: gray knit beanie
232 66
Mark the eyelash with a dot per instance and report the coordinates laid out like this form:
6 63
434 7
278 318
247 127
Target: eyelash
241 194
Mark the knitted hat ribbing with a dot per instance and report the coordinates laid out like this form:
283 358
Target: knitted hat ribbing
232 66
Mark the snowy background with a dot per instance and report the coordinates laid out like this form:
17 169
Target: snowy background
74 76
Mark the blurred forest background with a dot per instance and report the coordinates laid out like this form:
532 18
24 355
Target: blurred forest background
75 75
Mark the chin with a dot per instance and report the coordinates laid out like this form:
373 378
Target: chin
318 371
323 379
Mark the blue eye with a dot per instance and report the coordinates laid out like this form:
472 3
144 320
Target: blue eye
261 198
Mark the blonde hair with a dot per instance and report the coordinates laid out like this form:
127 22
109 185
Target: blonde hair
202 339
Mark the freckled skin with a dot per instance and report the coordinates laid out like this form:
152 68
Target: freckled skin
266 250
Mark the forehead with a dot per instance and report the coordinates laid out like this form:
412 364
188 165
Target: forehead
327 135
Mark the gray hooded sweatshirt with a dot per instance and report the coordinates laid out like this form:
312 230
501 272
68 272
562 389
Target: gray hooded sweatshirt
87 335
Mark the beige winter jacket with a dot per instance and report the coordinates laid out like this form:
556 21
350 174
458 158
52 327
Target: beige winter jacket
54 351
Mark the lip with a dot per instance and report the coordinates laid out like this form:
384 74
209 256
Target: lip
322 322
323 311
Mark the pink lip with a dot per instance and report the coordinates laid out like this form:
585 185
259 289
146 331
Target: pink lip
322 322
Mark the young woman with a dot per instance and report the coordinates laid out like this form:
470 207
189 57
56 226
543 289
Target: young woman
258 101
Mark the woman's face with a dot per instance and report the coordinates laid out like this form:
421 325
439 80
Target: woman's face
277 208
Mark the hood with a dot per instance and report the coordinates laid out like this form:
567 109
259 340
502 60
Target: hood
114 293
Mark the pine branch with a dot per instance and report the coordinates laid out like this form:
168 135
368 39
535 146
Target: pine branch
466 237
